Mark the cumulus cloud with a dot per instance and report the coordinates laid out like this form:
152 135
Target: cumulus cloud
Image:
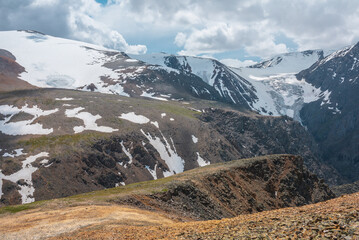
225 37
180 39
194 26
85 28
208 27
66 18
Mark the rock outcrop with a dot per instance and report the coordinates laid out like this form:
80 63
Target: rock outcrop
238 187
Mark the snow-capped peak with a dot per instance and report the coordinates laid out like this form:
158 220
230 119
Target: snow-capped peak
278 90
285 63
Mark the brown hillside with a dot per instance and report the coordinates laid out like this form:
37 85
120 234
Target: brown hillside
212 192
9 72
333 219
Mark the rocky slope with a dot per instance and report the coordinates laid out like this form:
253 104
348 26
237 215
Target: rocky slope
66 142
346 188
333 219
259 135
211 192
244 186
221 80
333 119
9 73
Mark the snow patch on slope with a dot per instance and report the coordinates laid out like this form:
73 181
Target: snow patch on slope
18 152
151 95
27 189
26 126
133 117
64 99
127 152
167 153
88 119
152 172
201 162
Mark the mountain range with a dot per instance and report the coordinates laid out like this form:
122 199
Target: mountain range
76 117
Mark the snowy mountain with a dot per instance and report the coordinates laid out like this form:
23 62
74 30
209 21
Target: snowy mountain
148 116
56 62
230 86
269 87
278 90
334 119
51 62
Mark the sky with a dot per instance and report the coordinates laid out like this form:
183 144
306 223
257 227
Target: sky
237 32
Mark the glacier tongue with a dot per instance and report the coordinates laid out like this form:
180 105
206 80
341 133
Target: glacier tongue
278 90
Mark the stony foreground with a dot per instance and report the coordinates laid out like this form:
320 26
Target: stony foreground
333 219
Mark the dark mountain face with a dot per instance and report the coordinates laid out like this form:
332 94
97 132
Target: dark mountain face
334 119
259 135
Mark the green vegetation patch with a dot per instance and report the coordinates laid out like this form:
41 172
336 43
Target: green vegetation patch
23 207
147 187
178 110
68 139
14 209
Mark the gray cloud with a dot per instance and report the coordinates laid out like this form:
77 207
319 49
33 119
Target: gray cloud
18 14
198 27
63 18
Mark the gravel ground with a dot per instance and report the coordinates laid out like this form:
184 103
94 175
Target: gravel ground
333 219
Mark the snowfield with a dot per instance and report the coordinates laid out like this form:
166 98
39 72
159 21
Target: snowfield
52 62
55 62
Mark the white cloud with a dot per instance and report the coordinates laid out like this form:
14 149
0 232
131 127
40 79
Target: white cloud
74 19
237 63
254 38
180 39
197 27
207 27
85 28
38 3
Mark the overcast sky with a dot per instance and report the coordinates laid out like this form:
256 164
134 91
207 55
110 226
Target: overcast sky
235 30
